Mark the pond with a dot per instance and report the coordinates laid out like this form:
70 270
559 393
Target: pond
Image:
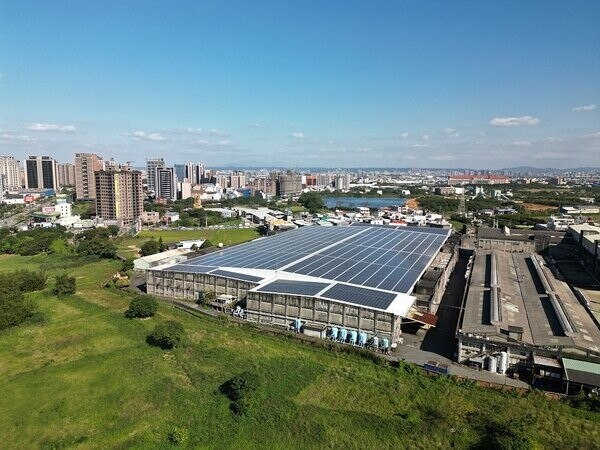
355 202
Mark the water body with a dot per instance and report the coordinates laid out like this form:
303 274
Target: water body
355 202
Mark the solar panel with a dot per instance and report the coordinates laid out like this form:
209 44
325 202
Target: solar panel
359 296
294 287
190 269
239 276
360 254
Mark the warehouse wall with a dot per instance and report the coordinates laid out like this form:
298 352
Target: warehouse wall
281 309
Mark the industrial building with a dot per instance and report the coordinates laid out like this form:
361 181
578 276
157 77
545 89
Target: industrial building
517 310
513 240
356 281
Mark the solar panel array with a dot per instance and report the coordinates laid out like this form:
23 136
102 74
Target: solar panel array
359 296
307 288
383 257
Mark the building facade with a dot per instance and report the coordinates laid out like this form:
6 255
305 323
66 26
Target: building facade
86 164
66 174
41 173
289 184
119 194
151 165
9 172
166 183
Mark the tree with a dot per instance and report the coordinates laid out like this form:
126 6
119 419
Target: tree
149 248
239 390
127 265
161 246
64 285
166 335
207 244
312 201
113 230
141 306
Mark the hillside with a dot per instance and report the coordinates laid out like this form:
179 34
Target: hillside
87 379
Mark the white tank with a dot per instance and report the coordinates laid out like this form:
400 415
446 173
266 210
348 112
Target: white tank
492 364
503 362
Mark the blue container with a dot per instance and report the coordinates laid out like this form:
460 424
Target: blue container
353 337
385 343
297 325
362 339
375 342
334 333
343 335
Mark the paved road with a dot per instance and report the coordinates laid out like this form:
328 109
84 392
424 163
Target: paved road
441 339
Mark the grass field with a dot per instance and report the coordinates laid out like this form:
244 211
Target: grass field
129 247
87 379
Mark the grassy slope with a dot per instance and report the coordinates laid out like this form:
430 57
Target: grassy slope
88 379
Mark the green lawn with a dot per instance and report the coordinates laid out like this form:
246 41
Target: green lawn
128 247
87 379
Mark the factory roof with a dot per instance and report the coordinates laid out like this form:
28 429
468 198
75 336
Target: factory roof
510 292
371 266
582 371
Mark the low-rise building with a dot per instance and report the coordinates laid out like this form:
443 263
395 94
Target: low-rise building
169 257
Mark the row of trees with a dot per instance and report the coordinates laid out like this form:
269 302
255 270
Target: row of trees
97 241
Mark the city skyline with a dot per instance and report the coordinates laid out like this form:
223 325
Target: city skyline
468 84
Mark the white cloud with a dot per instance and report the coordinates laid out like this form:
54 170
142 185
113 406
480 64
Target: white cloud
420 145
425 137
592 135
225 143
584 108
194 130
513 121
521 143
155 137
215 132
139 135
450 132
52 127
16 137
202 142
298 135
404 135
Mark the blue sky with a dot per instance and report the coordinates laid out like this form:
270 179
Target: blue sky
483 84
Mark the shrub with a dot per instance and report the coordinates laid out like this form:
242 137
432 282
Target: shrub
64 285
239 390
127 265
166 335
149 248
178 436
141 306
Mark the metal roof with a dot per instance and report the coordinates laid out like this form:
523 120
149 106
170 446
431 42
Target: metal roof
583 372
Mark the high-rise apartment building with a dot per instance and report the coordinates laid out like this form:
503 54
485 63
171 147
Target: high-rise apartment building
41 173
237 180
9 172
86 164
151 165
222 180
119 194
289 184
166 183
66 174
